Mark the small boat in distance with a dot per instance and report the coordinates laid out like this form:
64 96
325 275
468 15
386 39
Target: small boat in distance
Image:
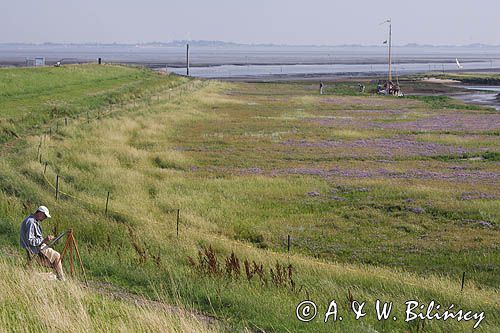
458 64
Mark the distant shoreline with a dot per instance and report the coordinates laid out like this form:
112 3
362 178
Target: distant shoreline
177 64
218 43
331 77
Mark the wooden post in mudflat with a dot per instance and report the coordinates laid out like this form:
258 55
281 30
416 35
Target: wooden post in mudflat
45 168
40 158
288 243
65 121
57 187
107 201
178 216
187 59
88 117
50 131
463 281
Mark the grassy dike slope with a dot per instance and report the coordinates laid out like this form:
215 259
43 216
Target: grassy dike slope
31 100
247 165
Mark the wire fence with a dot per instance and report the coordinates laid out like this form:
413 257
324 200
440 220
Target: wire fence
173 94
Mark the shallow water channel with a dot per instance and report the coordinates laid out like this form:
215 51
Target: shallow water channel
482 95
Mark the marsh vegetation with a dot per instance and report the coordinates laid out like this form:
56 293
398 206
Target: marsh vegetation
383 198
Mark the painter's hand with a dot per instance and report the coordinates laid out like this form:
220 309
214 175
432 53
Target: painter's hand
48 239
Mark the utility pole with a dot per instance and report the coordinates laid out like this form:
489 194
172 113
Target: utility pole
390 46
390 49
187 59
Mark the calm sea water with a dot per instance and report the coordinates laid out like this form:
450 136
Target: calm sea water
228 71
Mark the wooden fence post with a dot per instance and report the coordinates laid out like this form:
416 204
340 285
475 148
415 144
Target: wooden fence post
57 187
178 217
107 200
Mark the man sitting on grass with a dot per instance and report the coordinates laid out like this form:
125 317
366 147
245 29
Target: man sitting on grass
32 240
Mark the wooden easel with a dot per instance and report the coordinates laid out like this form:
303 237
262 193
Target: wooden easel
72 245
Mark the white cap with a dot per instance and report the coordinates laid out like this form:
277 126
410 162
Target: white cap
44 210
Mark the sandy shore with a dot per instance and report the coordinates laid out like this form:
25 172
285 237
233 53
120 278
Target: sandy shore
436 80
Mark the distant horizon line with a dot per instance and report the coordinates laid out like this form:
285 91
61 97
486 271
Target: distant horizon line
235 44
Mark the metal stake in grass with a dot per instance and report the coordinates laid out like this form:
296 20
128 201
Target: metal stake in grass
57 187
107 201
463 281
178 215
288 243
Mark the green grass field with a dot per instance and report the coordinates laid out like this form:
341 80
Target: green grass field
383 198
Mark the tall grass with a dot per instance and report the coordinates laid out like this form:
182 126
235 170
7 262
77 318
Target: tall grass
29 302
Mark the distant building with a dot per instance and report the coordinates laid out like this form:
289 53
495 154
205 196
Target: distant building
35 62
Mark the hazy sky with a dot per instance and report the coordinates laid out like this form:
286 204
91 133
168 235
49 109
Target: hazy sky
252 21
